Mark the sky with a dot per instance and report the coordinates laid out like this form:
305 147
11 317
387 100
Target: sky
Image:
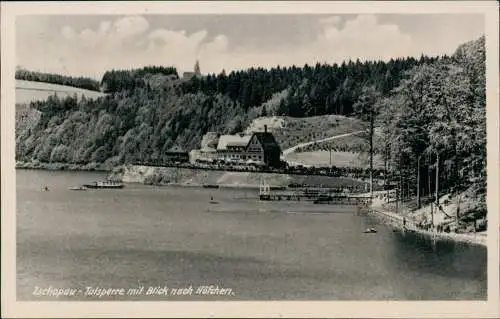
89 45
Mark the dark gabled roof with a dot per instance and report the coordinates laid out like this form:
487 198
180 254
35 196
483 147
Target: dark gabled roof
267 141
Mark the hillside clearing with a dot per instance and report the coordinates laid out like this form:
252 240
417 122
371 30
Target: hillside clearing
354 143
290 131
28 91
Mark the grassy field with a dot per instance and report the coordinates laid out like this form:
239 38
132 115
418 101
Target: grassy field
339 159
290 131
28 91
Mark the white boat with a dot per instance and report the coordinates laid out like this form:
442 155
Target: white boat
78 188
105 184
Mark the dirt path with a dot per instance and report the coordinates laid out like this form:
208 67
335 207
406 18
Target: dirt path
293 148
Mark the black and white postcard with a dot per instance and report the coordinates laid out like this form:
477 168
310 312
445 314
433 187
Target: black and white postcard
312 158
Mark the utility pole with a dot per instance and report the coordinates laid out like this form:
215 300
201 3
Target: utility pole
432 216
330 157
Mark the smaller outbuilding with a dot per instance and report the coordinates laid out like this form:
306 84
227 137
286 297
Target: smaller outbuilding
177 154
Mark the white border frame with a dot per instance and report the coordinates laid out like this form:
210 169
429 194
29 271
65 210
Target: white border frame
12 308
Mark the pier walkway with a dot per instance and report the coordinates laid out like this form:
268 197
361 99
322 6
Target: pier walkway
319 196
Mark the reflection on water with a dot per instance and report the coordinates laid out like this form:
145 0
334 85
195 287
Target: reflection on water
156 236
441 257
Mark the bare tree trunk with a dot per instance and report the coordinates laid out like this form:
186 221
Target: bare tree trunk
437 179
418 183
397 201
400 180
429 191
407 185
432 216
387 170
385 167
372 129
401 186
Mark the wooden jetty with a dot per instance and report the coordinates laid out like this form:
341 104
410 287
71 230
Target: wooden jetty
318 196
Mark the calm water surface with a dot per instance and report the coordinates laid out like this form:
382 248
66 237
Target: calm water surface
145 236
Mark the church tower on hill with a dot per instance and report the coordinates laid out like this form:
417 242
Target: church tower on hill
196 72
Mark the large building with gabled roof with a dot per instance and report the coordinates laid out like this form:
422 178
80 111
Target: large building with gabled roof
257 147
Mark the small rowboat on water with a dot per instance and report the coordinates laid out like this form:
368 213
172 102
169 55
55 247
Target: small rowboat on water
212 201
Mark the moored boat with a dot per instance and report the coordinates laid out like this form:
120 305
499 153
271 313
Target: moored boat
78 188
210 186
105 184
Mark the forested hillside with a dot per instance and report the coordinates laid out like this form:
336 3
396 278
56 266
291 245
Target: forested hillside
149 110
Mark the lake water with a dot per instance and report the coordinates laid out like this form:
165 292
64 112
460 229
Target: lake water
145 236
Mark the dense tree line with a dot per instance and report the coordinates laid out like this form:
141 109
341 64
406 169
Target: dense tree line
311 90
128 80
434 124
78 82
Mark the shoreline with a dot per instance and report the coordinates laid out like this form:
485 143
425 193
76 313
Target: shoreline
396 221
113 171
197 185
91 167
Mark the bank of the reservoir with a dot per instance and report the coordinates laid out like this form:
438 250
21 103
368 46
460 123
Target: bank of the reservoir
157 175
195 177
398 223
103 167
